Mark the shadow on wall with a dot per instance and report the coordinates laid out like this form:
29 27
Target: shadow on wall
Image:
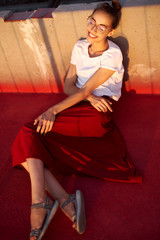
51 57
123 44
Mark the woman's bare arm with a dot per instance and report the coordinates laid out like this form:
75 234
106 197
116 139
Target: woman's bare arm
70 81
98 78
99 103
46 120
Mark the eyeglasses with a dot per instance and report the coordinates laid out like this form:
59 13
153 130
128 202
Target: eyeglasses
99 28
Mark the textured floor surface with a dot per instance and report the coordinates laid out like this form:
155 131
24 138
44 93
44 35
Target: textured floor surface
115 211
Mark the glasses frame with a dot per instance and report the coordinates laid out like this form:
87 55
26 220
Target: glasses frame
97 25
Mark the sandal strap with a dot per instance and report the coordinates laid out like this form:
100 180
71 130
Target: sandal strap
72 198
42 204
35 233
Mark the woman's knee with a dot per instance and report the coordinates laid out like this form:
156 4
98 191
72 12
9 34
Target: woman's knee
25 166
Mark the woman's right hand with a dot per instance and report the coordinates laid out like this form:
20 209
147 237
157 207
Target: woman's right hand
45 121
100 103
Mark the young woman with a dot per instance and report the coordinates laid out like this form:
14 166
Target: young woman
77 135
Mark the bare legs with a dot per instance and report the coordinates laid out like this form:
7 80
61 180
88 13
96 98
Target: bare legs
41 180
36 171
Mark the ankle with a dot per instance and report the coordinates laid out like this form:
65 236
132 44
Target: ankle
39 199
63 198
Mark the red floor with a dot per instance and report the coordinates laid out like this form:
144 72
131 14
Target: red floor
115 211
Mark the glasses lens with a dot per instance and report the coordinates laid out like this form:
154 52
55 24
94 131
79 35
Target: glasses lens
91 23
101 29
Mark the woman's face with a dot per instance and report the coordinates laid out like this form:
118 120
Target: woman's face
99 27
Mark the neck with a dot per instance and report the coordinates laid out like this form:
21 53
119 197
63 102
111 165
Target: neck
99 47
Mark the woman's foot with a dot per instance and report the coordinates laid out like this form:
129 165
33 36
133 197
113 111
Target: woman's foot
37 218
38 214
68 209
73 205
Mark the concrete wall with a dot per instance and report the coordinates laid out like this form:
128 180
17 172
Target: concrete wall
35 51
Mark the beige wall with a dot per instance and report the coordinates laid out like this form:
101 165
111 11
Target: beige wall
35 53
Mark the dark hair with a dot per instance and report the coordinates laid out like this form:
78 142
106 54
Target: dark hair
114 10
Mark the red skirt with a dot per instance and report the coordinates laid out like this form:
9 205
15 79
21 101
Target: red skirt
82 142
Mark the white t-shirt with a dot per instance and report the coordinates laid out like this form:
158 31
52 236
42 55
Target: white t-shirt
86 66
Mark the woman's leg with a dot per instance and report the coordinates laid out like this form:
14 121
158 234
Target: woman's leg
42 179
36 172
58 192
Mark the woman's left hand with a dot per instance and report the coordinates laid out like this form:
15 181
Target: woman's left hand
45 121
100 103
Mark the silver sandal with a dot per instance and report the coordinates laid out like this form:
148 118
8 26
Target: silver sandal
79 204
51 210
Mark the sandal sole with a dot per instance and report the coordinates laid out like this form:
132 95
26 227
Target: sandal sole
80 213
48 219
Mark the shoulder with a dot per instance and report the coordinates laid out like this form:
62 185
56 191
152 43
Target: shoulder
113 51
79 50
81 45
114 48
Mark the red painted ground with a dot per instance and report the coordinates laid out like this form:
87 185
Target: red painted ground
115 211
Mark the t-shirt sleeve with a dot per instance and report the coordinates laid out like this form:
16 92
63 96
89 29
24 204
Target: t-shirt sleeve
112 60
74 56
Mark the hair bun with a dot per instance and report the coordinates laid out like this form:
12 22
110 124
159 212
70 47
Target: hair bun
116 5
114 10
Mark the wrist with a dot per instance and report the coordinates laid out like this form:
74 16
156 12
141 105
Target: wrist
89 98
54 110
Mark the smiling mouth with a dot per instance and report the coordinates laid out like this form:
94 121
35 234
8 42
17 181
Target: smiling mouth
91 35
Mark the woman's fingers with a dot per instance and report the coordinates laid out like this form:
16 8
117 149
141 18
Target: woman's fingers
46 127
45 123
101 104
37 120
98 108
40 124
43 126
49 126
102 107
107 105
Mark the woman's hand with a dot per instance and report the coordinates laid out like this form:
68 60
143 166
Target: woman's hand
100 103
45 121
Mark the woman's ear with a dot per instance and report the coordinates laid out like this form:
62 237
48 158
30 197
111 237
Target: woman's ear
111 33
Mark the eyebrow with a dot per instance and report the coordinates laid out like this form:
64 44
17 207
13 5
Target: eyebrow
100 24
